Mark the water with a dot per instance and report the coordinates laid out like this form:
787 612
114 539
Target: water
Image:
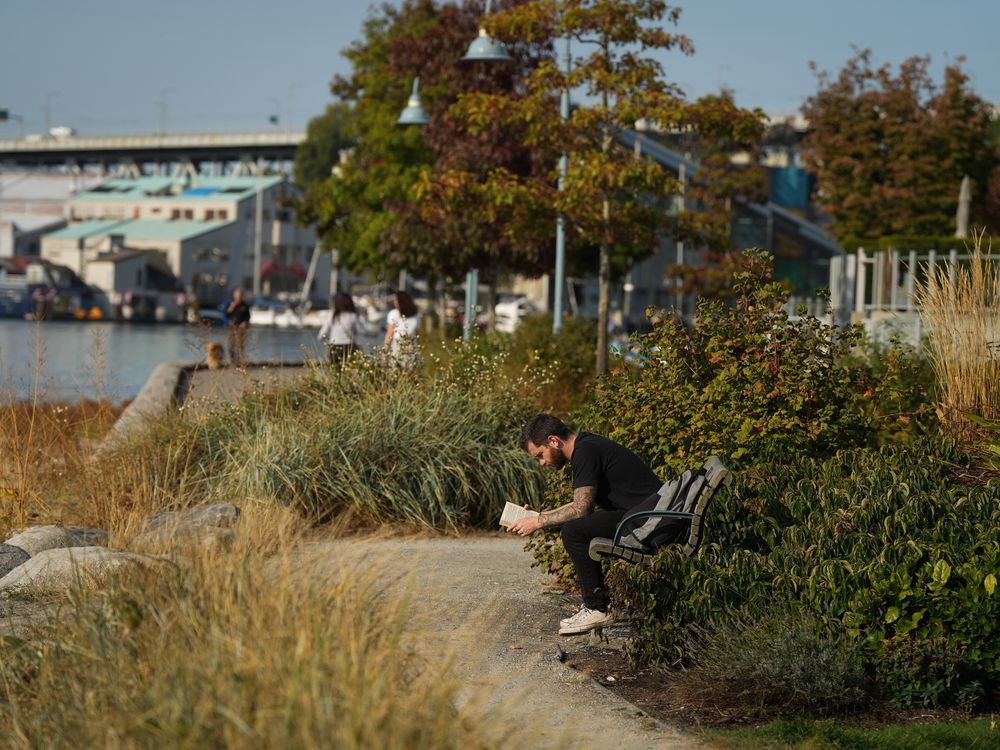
70 359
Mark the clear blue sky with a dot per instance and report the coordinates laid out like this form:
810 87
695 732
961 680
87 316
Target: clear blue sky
104 66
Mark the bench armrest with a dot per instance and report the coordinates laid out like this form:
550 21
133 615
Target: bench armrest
642 516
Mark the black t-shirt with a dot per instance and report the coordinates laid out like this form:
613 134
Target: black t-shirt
239 314
621 478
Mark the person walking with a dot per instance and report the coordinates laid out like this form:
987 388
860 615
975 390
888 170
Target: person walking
401 325
606 476
339 332
238 312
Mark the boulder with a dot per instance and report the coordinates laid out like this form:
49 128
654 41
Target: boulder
10 558
89 537
219 514
59 569
35 539
172 537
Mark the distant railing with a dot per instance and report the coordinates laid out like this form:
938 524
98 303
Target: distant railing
879 288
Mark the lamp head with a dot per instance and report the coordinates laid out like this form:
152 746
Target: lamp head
485 48
414 113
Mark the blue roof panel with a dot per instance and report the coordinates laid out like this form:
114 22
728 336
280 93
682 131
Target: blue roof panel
200 191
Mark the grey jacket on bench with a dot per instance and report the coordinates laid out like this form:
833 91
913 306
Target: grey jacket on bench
663 518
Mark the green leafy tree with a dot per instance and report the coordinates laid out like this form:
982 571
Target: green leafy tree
890 150
326 136
612 200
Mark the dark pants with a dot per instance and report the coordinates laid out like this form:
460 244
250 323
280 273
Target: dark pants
238 345
576 535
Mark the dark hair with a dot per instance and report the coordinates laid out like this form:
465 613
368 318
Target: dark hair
343 303
405 304
539 427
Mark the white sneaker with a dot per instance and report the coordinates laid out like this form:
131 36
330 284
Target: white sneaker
584 621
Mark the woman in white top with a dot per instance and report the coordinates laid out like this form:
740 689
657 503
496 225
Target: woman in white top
401 330
340 330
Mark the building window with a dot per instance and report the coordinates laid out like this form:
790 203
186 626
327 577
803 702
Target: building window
175 214
209 214
223 214
188 213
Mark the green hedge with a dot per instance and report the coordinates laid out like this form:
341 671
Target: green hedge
881 545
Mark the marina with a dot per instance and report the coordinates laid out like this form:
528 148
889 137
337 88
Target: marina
69 360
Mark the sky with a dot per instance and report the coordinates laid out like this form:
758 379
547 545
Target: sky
133 66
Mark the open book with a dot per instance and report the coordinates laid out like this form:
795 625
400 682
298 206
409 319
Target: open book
514 513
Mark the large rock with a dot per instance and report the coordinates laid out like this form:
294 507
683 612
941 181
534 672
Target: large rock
59 569
10 558
184 537
220 515
35 539
88 537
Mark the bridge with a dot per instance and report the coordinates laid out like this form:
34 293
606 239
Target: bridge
216 154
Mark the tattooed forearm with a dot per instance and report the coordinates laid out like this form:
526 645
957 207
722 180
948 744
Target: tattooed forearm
582 504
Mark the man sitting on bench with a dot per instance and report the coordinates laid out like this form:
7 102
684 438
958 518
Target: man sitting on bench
606 475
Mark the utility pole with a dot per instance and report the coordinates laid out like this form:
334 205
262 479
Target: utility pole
258 231
46 111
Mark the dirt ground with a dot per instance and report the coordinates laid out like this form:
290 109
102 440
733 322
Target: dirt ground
484 604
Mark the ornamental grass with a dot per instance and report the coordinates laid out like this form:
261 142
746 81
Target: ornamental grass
960 309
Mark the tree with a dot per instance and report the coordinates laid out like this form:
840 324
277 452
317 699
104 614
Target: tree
612 200
326 136
890 150
371 211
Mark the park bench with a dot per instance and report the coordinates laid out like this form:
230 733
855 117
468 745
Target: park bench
662 519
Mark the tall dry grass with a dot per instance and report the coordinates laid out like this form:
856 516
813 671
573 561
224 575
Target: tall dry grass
46 444
253 644
960 310
236 647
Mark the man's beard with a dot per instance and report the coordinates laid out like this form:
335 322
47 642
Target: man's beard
558 460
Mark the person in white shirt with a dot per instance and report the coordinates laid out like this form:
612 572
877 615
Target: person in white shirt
339 332
401 326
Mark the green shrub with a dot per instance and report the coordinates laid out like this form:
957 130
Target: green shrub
546 547
778 659
899 389
744 382
880 544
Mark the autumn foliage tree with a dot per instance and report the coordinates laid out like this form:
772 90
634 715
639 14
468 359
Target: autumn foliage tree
612 200
890 149
370 211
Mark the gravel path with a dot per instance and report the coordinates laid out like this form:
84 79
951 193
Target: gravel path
486 603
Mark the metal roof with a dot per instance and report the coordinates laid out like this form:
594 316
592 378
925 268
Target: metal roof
157 229
140 229
177 188
94 227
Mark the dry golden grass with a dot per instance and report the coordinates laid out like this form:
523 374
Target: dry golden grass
962 320
245 644
44 450
234 647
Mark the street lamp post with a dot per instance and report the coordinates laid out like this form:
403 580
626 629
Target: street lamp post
415 114
487 49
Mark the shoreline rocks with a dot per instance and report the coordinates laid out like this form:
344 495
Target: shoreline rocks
61 568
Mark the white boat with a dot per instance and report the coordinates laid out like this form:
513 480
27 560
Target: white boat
276 316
